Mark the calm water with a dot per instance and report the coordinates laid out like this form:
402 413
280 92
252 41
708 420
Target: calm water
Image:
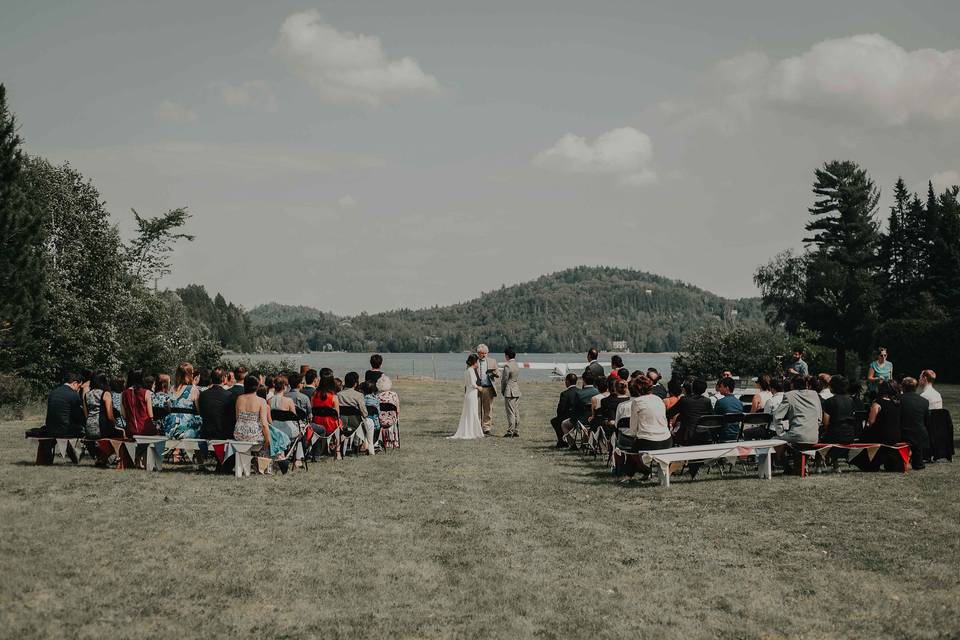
450 365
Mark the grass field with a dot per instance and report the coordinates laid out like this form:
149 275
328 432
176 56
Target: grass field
501 538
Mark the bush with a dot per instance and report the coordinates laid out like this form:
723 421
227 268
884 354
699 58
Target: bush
745 350
915 345
15 394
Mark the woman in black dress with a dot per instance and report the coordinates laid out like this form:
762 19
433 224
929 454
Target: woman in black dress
883 427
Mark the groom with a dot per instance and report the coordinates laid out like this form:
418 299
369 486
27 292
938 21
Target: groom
486 372
510 388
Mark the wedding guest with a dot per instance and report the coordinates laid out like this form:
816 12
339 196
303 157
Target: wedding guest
883 427
93 404
183 421
295 392
602 392
777 388
217 405
487 371
823 386
373 373
648 427
674 391
239 376
728 404
283 410
253 421
760 397
927 378
372 403
136 404
116 404
565 407
689 409
658 389
802 410
616 364
583 408
799 367
608 406
353 411
914 409
338 384
326 410
879 370
838 413
161 397
203 380
309 383
64 410
389 409
593 370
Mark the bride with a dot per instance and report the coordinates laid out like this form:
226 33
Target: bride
470 428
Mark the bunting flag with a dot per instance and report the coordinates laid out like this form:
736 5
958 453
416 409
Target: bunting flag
264 466
66 448
219 451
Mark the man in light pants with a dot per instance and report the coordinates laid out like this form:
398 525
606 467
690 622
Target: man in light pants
487 372
510 388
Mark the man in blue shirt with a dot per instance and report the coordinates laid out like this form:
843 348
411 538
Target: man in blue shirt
728 403
799 367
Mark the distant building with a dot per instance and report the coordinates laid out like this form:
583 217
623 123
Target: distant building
618 345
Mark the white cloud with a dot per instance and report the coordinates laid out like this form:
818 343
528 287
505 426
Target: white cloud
347 202
254 94
626 153
945 179
348 67
170 111
864 78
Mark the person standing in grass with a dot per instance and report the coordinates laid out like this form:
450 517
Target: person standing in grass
879 370
510 390
470 426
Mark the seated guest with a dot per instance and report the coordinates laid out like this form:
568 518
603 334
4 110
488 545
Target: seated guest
728 404
136 405
239 375
802 409
295 392
616 364
883 427
203 380
338 384
823 386
373 373
760 397
182 421
777 387
648 426
253 421
838 414
914 409
93 404
602 392
389 408
927 378
565 407
216 406
583 408
608 406
64 410
116 405
688 410
855 391
283 410
310 383
161 396
372 402
325 409
353 410
674 391
658 389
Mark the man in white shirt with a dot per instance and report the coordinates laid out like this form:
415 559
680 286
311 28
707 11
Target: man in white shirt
927 378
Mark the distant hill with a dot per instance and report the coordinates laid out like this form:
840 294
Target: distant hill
565 311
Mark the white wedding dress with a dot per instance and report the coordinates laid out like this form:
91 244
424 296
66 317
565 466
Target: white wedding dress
470 427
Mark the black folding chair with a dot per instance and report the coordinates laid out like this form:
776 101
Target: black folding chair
940 429
709 428
756 426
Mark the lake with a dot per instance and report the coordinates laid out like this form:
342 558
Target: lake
450 366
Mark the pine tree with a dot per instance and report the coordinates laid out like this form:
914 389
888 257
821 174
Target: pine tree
944 265
21 250
841 291
894 275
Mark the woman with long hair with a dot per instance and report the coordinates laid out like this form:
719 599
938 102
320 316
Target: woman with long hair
470 427
326 409
253 421
137 406
183 420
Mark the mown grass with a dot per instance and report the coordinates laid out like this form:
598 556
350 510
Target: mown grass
498 538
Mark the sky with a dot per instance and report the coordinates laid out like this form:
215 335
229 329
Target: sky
373 155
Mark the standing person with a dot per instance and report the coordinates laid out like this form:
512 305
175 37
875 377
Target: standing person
927 378
470 427
510 389
594 370
914 409
879 370
373 373
487 372
799 367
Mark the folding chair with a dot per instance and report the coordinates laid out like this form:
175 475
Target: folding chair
710 428
756 426
940 430
351 420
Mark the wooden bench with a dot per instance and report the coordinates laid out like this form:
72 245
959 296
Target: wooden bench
665 458
823 449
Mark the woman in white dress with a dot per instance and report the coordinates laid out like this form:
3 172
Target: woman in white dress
470 427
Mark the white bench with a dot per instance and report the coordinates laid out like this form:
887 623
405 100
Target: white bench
663 458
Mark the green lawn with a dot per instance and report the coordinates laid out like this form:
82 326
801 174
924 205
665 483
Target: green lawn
498 538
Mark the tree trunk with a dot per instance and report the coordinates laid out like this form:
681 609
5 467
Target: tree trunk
841 361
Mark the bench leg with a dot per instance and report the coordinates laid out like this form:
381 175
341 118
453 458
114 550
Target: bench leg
764 469
45 452
664 474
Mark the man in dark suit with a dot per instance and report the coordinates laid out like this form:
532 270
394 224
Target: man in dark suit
565 408
658 389
216 409
913 421
64 411
593 370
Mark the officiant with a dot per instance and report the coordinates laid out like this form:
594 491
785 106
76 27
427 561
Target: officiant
487 374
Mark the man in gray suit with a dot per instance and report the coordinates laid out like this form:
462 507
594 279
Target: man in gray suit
510 388
487 372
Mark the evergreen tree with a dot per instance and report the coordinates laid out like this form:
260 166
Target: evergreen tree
894 275
841 293
944 265
21 251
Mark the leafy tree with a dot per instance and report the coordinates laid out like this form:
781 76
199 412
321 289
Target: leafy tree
21 251
149 253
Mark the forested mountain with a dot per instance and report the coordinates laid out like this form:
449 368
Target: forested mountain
565 311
